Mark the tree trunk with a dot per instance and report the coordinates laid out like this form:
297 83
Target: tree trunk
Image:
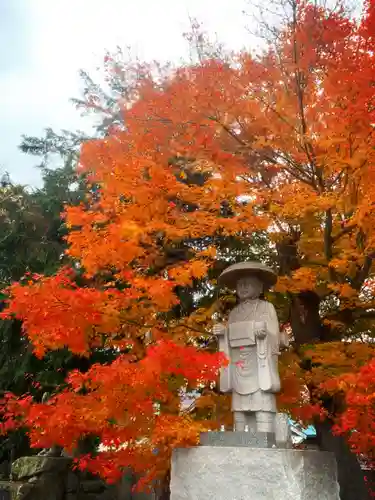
305 319
350 474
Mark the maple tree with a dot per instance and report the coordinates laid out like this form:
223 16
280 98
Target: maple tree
279 145
32 241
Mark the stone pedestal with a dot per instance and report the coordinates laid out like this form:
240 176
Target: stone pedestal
240 439
243 473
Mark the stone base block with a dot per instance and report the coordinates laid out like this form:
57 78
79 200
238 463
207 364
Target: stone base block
236 439
241 473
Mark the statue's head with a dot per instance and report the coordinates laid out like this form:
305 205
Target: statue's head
249 278
249 287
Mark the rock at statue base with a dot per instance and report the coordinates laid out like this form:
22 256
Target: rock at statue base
243 473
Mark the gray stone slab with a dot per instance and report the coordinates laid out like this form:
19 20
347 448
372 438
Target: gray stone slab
242 473
249 439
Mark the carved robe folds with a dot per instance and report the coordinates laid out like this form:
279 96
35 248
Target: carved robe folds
252 375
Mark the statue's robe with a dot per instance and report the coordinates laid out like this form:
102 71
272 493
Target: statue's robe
252 375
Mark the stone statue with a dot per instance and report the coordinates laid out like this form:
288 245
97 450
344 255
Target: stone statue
252 341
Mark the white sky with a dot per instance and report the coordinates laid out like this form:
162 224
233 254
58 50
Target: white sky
48 41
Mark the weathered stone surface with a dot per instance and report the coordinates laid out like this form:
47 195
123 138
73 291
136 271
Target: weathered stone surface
249 439
50 486
281 438
51 478
26 467
225 473
11 487
24 492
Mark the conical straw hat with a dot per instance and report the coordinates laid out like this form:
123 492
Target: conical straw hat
233 273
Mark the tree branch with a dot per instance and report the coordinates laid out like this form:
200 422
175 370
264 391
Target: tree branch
348 229
294 170
327 238
328 235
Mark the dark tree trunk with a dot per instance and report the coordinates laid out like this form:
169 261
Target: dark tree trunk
305 319
350 474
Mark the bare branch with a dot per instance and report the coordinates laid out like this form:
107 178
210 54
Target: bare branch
347 230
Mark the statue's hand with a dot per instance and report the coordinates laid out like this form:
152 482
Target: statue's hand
260 329
219 329
260 334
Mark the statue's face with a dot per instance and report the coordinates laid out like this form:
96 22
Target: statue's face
249 287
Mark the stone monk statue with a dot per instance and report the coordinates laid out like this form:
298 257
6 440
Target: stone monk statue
252 341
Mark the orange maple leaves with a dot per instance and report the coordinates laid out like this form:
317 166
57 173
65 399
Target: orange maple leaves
124 404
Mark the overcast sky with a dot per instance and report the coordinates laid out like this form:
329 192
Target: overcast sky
45 42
